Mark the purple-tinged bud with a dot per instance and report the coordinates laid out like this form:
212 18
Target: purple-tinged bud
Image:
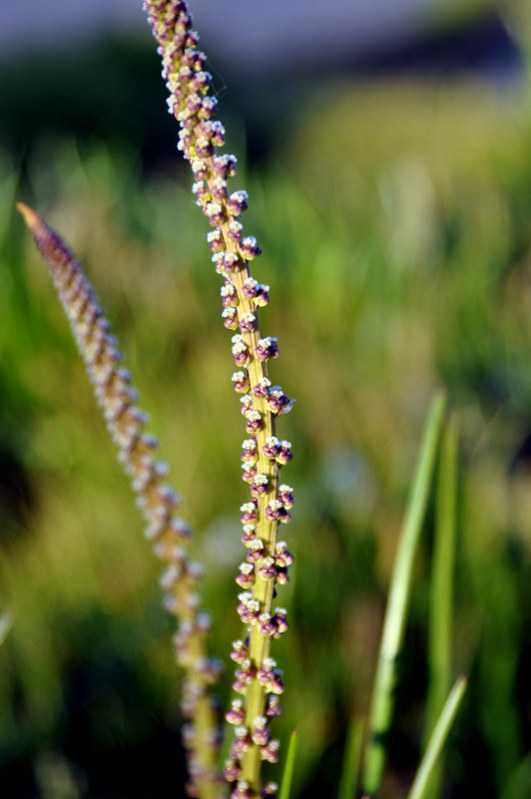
249 513
284 516
276 686
186 140
249 248
194 58
215 214
269 752
180 529
285 454
266 674
269 791
230 318
273 510
215 240
242 791
199 169
282 576
248 610
247 671
237 202
241 743
250 288
194 570
280 621
249 451
204 622
267 625
277 402
231 263
273 707
261 389
219 260
218 188
268 570
240 351
246 403
262 296
245 578
249 472
209 107
271 448
224 165
236 714
201 82
283 556
229 296
285 494
203 195
256 550
217 133
239 686
248 323
234 231
260 486
260 734
241 382
168 495
254 422
239 652
232 770
267 348
249 534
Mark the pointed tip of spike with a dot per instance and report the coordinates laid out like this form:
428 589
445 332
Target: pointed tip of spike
31 219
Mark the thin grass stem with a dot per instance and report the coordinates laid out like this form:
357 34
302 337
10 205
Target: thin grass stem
351 759
437 740
442 600
395 616
285 788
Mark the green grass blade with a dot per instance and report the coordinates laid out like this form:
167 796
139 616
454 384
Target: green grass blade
351 760
441 604
6 622
438 737
285 788
395 616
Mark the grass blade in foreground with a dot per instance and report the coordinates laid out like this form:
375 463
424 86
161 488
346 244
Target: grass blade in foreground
441 602
285 788
351 760
395 615
436 743
158 501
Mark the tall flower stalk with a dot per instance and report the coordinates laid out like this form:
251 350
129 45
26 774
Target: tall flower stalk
200 139
157 499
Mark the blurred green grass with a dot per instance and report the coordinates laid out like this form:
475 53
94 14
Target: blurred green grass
396 228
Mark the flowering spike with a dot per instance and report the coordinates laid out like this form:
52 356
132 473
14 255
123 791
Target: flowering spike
157 500
200 139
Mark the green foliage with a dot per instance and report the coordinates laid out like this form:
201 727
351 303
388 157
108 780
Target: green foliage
396 229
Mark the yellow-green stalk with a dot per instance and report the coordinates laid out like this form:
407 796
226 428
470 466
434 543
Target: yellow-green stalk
200 140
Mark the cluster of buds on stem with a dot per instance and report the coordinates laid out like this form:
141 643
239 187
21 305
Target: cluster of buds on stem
157 499
201 138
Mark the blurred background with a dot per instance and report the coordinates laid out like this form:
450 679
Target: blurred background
386 148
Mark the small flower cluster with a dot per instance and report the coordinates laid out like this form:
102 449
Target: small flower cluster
158 500
200 139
